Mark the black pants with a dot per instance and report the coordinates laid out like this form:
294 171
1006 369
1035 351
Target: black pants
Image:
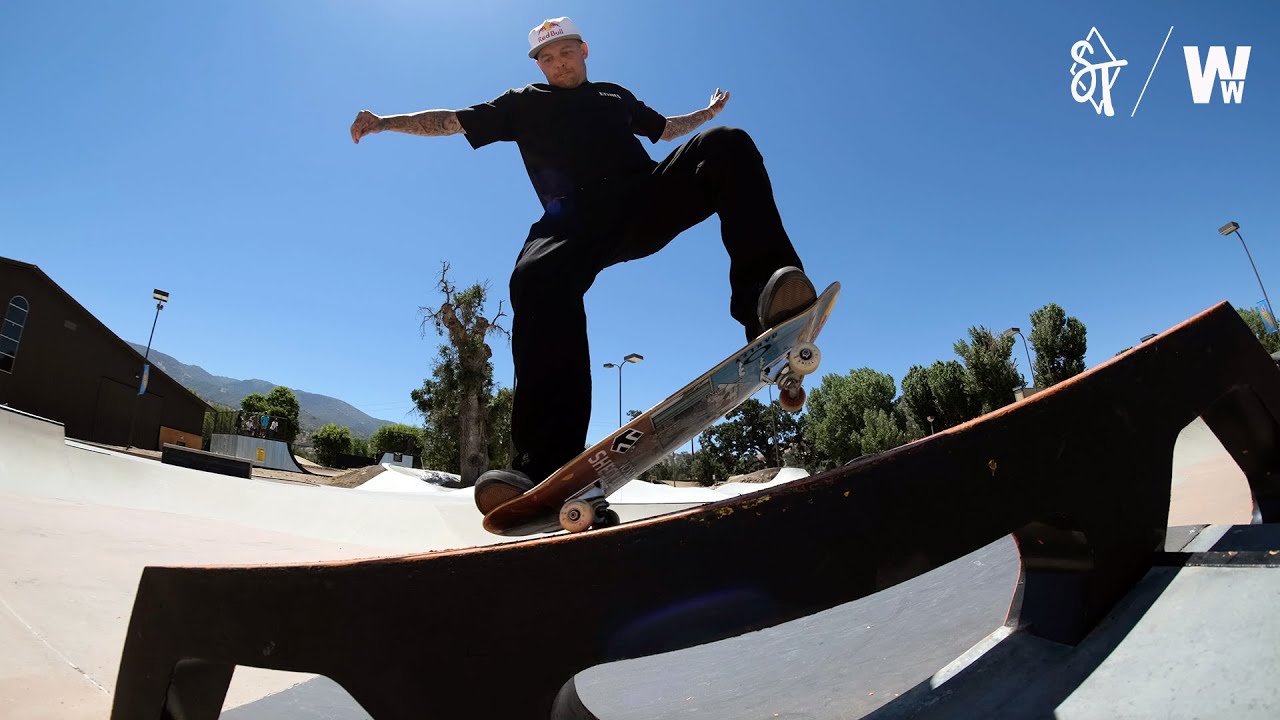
717 171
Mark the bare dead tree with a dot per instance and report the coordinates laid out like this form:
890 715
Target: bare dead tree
461 319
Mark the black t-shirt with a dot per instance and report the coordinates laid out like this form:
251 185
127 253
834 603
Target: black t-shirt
569 138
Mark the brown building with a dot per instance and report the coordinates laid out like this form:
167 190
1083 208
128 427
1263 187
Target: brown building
60 362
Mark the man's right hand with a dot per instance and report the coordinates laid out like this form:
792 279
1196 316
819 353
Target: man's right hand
366 123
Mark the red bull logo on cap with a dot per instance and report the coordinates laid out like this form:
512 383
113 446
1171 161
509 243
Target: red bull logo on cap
550 31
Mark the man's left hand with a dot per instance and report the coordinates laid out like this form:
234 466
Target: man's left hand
718 99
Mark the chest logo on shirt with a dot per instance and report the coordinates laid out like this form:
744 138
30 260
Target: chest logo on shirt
612 95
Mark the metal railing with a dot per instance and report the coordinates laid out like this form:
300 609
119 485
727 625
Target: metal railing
251 424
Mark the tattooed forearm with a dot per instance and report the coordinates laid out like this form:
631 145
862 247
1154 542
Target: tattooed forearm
685 124
427 122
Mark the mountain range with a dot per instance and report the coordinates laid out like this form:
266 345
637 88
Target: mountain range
313 410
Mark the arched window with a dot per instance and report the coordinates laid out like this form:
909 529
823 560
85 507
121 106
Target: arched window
15 318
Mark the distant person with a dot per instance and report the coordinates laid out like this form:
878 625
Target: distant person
605 202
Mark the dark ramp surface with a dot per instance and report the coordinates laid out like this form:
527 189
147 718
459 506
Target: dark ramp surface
836 664
1197 637
839 663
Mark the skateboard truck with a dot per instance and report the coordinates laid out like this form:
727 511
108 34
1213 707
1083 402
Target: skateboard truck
802 360
587 509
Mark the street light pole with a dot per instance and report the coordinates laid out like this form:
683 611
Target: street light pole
773 421
1234 227
161 297
632 358
1018 332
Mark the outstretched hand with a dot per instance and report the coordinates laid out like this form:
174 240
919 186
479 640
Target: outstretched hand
718 99
366 123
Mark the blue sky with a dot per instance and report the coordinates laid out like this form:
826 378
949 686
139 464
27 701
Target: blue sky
927 155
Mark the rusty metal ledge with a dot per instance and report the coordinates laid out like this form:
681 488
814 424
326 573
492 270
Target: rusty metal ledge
1079 474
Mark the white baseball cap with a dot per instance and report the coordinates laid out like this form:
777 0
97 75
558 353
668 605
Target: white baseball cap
549 31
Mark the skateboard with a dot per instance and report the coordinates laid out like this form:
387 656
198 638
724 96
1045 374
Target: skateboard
574 498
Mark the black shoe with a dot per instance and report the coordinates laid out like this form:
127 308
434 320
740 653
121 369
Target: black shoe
787 294
498 486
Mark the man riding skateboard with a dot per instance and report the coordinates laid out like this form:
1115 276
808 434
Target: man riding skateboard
606 201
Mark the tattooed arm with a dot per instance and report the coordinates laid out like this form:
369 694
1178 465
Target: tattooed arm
685 124
428 122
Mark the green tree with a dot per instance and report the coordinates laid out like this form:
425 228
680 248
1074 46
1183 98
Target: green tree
677 466
437 402
206 430
359 446
751 437
209 420
1059 342
990 375
329 441
881 430
499 427
282 401
707 470
911 429
800 452
254 403
937 392
1253 318
955 403
279 403
837 412
396 438
918 399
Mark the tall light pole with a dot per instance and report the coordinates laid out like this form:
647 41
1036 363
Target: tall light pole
632 358
1234 227
773 422
1018 332
161 297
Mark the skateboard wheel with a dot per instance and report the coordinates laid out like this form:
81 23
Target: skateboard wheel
792 399
577 516
607 518
804 358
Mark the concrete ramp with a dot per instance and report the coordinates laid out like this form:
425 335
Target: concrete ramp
263 453
1079 475
35 447
1193 639
38 462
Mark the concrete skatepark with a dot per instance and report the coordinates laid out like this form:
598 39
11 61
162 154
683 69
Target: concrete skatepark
80 522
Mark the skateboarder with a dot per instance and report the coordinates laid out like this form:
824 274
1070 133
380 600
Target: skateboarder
605 202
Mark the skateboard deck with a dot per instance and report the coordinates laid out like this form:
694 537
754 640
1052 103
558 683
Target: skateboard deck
573 497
